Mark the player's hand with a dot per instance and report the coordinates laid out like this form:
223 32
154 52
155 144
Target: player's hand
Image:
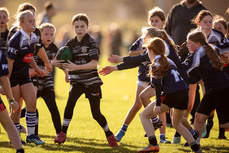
107 70
39 72
48 66
115 59
70 66
14 106
157 110
45 72
32 73
57 63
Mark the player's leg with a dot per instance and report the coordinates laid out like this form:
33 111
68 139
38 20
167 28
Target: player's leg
131 114
145 116
8 125
145 96
94 95
177 124
28 93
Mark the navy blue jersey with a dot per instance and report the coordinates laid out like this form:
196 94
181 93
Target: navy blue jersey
21 49
47 81
213 79
143 66
134 61
3 41
215 37
169 84
3 64
84 52
37 32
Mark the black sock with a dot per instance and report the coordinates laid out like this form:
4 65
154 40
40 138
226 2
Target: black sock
20 151
37 123
64 129
177 134
108 133
221 132
153 140
23 112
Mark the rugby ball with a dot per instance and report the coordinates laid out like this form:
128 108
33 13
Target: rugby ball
64 53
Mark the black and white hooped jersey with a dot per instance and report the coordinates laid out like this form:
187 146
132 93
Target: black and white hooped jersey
171 83
3 64
47 81
84 52
200 64
3 40
21 49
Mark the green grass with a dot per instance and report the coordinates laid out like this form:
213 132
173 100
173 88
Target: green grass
85 135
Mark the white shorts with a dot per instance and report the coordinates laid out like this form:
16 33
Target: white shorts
143 84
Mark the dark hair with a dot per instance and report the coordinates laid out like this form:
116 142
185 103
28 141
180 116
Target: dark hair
80 17
49 5
157 46
25 6
201 15
156 11
198 36
221 20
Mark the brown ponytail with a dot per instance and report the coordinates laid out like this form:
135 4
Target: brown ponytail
156 45
198 36
213 56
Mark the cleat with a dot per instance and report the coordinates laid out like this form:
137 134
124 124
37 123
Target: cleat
176 140
222 137
150 148
163 140
119 135
22 129
112 141
60 138
34 139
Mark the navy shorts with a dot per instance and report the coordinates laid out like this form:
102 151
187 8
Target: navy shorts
15 80
216 100
177 100
2 106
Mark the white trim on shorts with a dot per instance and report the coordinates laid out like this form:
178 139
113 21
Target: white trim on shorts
143 83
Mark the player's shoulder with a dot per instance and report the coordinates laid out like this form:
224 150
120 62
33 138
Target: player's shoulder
15 39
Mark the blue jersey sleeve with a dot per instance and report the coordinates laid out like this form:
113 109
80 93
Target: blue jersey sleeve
13 49
133 61
137 45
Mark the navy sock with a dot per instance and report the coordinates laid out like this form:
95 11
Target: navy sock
124 127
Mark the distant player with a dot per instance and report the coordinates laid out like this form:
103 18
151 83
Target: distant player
4 16
84 78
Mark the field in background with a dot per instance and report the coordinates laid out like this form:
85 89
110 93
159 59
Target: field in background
86 136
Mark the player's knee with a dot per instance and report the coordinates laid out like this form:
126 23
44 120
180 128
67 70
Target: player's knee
200 117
